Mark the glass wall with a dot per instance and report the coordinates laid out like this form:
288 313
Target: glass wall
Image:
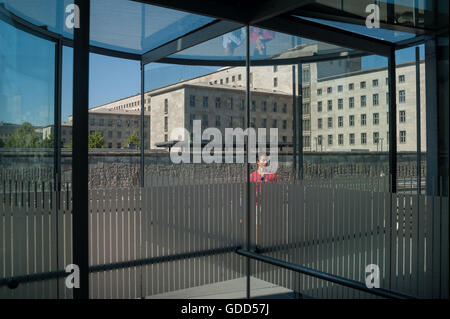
28 244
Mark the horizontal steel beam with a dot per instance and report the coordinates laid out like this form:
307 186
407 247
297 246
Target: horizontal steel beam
317 31
13 282
201 35
322 275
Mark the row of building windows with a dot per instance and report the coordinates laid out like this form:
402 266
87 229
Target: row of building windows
101 122
363 101
227 80
351 138
110 134
230 104
363 120
362 85
241 121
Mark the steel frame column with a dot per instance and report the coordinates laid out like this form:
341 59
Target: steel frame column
392 122
80 164
247 158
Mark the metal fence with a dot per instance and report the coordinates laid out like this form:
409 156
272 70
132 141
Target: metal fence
147 241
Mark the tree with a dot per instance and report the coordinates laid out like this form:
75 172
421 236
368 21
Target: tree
24 137
96 140
49 141
2 144
133 141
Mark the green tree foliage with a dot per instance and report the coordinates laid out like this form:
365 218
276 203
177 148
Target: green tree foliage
24 137
133 141
49 141
95 140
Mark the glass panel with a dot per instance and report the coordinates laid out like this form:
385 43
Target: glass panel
28 220
200 195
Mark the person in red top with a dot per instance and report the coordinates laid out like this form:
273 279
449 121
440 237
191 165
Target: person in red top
261 176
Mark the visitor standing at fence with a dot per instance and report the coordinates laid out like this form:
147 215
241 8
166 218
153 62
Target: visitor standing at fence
259 176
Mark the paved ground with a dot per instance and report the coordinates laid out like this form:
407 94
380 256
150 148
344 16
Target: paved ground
231 289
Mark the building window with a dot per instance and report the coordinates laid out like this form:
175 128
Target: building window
218 120
119 145
264 106
92 121
319 106
166 123
101 122
239 77
217 102
387 117
319 91
306 92
166 138
402 117
329 90
362 85
227 80
264 123
351 86
119 123
375 99
166 106
275 82
402 96
330 139
306 125
376 137
330 105
275 68
319 140
306 108
351 138
341 139
307 141
284 124
401 78
340 88
340 104
242 104
284 139
109 145
363 100
387 81
351 120
253 106
192 101
319 123
363 138
230 103
284 108
233 78
205 121
275 107
402 136
330 122
376 118
274 123
375 83
340 121
363 119
387 98
306 75
221 81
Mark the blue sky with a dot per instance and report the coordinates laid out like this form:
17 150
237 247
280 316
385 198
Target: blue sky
26 68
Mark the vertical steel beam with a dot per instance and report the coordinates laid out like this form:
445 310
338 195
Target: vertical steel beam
392 122
432 117
247 159
142 125
57 115
80 226
299 111
419 148
57 140
294 124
